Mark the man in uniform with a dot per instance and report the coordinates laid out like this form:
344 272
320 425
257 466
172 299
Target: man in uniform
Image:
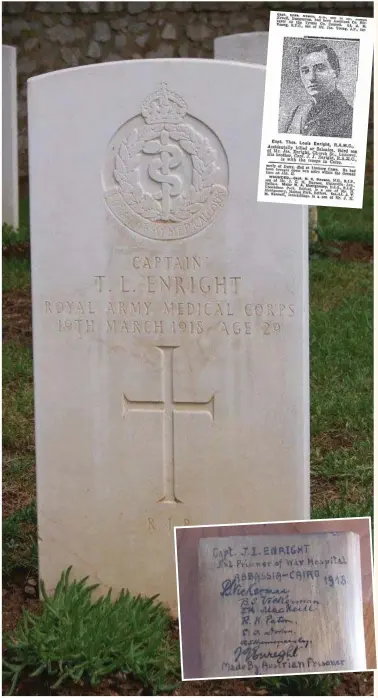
328 113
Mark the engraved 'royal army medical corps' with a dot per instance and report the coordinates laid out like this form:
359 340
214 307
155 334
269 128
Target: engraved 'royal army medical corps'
166 173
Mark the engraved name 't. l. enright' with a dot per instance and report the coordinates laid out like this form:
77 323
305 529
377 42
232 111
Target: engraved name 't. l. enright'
185 285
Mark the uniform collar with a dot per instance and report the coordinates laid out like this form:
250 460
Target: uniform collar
334 102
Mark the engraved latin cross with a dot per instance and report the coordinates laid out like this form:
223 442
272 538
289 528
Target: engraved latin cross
168 406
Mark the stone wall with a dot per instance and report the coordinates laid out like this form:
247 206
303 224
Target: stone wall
55 35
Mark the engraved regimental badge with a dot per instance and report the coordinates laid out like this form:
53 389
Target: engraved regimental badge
166 173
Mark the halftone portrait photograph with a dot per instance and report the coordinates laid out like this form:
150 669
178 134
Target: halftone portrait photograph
318 83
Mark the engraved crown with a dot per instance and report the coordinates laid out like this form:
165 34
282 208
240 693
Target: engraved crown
164 106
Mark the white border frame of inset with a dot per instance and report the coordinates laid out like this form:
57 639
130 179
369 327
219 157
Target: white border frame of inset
271 136
333 524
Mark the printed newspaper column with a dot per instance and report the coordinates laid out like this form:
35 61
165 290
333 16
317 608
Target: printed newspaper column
280 604
316 109
252 47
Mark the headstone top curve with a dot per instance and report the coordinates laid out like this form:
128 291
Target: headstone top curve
228 37
147 62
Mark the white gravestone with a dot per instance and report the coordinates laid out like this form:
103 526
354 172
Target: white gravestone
251 47
9 135
170 317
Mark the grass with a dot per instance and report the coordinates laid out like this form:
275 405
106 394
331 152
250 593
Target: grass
334 223
76 638
19 524
18 426
350 224
342 358
20 548
16 271
16 275
341 388
11 236
310 685
331 282
341 473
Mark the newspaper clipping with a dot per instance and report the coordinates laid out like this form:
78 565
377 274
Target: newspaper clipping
316 109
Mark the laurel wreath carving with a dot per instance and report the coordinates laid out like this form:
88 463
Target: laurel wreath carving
185 205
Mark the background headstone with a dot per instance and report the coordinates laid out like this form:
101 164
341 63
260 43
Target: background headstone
280 604
9 134
249 47
170 318
252 47
55 37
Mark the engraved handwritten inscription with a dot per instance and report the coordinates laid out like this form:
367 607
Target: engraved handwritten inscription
166 174
275 594
168 406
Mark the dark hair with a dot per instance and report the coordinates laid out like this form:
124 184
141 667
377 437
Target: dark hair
311 47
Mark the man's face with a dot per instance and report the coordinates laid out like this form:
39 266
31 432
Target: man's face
318 77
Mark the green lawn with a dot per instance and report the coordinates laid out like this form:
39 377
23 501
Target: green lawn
16 274
341 312
341 387
334 223
350 224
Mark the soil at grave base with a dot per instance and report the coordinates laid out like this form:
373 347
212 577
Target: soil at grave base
19 250
17 316
350 251
121 684
343 250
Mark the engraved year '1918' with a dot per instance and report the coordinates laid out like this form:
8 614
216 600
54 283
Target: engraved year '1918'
166 173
